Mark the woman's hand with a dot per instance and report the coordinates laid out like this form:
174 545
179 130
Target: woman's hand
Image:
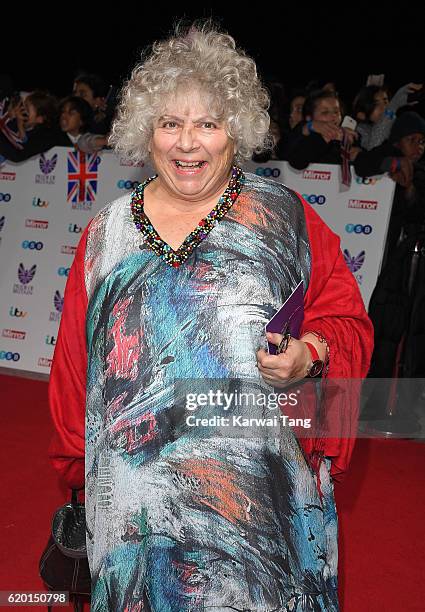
286 368
328 131
352 135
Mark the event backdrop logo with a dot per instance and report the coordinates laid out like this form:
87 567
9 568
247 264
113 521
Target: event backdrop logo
365 180
356 262
46 166
275 172
40 203
2 220
16 312
9 356
5 197
363 204
312 198
58 304
45 362
14 334
127 184
25 277
82 179
32 245
36 224
317 175
7 176
357 228
73 228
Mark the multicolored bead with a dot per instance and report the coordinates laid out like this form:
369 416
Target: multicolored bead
161 248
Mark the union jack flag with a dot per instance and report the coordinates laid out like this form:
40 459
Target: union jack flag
82 176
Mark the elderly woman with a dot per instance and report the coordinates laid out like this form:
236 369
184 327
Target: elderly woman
176 282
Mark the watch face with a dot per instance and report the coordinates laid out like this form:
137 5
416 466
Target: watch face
316 368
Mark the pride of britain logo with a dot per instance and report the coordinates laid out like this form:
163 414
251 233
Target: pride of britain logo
55 315
25 277
46 166
354 263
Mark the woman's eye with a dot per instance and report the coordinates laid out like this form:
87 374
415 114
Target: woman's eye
209 125
169 124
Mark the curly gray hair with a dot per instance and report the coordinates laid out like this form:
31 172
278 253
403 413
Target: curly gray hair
200 58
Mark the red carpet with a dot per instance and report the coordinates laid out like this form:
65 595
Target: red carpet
380 505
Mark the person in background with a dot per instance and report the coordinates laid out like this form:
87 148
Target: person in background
401 157
376 113
296 109
318 138
94 90
75 116
37 127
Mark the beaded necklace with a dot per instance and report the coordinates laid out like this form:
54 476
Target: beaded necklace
201 231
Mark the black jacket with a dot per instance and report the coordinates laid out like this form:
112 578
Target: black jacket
40 139
407 212
300 150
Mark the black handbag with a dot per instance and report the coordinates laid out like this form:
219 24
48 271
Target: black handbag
63 566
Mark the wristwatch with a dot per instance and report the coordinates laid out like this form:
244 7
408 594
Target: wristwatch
317 364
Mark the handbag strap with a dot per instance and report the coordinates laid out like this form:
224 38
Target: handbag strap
74 497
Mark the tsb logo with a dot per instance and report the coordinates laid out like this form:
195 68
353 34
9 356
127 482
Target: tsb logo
8 356
358 229
5 197
127 184
63 271
275 172
30 244
312 198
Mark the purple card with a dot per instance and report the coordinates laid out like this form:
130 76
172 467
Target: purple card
291 313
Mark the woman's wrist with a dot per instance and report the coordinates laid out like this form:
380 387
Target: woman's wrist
318 343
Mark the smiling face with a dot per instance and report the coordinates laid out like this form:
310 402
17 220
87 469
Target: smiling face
190 149
412 146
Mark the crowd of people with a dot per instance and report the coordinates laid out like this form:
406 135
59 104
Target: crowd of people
378 133
33 122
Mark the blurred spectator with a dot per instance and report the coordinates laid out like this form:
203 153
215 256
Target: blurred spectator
400 156
94 90
278 121
36 119
296 109
318 138
75 117
376 114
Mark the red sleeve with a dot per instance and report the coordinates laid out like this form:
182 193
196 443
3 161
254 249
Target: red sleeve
334 308
67 386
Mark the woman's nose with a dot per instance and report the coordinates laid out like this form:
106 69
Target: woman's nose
187 140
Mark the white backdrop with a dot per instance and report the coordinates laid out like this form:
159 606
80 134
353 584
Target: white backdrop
46 202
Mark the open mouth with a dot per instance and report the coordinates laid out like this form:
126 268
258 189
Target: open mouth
183 165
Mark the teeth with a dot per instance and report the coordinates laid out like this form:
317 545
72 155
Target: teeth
189 164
